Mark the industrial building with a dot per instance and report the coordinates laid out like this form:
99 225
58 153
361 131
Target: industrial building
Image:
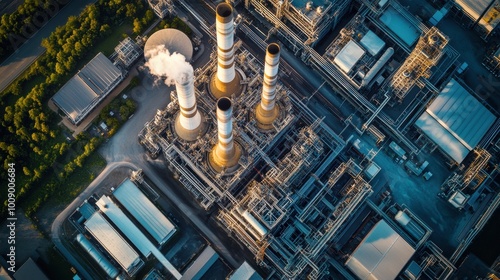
455 121
295 193
110 270
310 20
245 272
201 264
87 88
113 243
128 52
492 61
133 233
480 15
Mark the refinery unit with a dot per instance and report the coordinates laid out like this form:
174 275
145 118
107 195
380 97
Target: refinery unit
297 193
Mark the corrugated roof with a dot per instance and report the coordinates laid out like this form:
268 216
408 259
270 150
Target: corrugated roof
245 272
372 43
456 121
381 255
134 234
474 7
349 56
144 211
114 244
403 28
89 85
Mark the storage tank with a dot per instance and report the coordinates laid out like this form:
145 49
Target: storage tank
104 263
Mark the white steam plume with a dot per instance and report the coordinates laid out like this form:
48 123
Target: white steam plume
171 67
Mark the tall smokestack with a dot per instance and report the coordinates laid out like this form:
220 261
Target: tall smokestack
227 81
225 153
266 112
188 122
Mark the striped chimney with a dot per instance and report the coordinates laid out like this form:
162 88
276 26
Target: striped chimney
224 154
225 40
189 116
266 111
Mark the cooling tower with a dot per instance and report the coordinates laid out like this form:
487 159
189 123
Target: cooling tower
226 81
225 153
266 111
188 123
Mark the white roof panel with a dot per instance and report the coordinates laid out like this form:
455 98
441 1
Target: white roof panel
144 211
372 43
349 56
114 244
398 24
456 121
381 255
245 272
134 234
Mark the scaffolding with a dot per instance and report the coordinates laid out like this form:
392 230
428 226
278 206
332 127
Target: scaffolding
426 54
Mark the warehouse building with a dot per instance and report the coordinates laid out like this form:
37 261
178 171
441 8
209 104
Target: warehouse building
455 121
144 211
134 234
381 255
87 88
114 243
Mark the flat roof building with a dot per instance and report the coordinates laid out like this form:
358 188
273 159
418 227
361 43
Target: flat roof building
114 243
483 13
381 255
134 234
202 263
245 272
144 211
350 54
30 270
87 88
456 121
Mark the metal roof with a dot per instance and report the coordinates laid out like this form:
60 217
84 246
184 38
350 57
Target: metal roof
113 242
398 24
245 272
350 54
29 270
172 39
87 87
202 263
381 255
134 234
474 7
455 121
372 43
144 211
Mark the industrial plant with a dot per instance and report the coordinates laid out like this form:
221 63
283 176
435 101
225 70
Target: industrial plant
296 192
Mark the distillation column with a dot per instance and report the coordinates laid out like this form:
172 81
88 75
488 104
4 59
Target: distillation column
226 152
226 81
189 122
267 111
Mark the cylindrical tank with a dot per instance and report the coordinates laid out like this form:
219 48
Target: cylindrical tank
266 111
225 39
110 270
402 218
377 66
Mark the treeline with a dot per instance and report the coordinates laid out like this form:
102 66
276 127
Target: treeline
17 27
30 136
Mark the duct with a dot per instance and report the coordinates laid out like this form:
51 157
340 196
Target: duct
377 66
256 225
110 269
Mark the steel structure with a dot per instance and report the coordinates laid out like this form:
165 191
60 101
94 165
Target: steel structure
310 20
424 56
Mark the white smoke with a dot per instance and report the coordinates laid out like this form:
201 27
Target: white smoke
170 67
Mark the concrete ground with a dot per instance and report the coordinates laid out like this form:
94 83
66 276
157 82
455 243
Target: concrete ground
420 196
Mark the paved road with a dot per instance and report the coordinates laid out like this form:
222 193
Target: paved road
14 65
57 225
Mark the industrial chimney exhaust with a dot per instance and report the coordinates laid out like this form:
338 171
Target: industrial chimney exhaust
225 153
188 123
266 111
